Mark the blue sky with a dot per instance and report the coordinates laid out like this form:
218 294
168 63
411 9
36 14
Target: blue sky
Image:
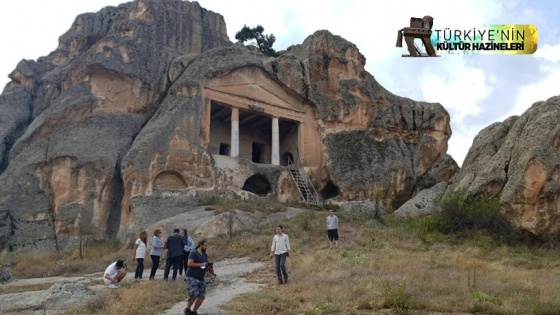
475 90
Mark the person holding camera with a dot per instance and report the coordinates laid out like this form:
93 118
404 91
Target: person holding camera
196 285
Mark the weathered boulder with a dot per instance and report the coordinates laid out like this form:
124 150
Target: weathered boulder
65 295
519 160
58 299
424 203
5 275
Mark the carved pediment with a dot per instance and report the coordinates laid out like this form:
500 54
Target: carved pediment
256 88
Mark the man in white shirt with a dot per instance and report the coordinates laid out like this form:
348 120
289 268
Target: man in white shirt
280 249
114 273
332 229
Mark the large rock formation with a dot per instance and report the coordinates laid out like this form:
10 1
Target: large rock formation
69 118
100 132
519 160
371 136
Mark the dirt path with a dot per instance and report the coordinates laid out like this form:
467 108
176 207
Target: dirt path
231 275
231 283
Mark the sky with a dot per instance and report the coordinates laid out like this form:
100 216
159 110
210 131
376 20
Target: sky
476 90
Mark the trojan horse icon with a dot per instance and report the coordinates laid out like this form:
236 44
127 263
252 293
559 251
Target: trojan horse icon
419 28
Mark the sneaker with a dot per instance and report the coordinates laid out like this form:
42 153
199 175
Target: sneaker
114 286
187 311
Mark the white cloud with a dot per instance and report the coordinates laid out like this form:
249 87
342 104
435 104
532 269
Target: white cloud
548 53
30 29
461 141
538 91
459 89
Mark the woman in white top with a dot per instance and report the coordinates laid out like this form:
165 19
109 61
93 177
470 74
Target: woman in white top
139 253
280 249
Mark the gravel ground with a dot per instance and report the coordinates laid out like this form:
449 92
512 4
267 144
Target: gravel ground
230 284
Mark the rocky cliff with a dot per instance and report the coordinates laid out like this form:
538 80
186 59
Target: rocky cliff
519 161
106 135
73 115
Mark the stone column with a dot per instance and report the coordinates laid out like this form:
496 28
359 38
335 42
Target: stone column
275 142
234 151
207 122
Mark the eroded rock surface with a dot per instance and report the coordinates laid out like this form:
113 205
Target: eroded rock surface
130 109
519 160
69 118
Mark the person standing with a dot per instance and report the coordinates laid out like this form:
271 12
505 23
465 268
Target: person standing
196 285
139 253
114 273
155 253
174 245
280 249
189 246
332 229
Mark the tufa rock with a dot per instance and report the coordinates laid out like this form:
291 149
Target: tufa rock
424 203
128 123
519 161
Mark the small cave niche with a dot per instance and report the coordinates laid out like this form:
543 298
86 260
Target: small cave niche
258 185
286 159
329 191
169 180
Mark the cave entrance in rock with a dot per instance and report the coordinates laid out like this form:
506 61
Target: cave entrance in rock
258 185
330 190
254 134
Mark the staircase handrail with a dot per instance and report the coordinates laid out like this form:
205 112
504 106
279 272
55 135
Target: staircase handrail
294 165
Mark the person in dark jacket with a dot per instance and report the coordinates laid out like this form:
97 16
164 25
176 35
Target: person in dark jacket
174 244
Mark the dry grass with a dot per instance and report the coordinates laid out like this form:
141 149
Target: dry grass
381 267
394 266
25 288
97 256
147 297
264 206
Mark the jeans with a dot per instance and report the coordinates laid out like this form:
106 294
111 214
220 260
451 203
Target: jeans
139 268
176 262
155 265
281 267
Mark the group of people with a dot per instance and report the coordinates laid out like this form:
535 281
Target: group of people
182 255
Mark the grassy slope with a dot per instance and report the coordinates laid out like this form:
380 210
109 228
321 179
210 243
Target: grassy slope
394 265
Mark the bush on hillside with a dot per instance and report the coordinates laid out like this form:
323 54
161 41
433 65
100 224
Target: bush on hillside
464 212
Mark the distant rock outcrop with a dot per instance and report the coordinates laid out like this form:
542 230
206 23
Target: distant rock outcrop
519 160
131 121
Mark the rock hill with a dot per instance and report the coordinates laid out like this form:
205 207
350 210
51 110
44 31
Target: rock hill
519 161
146 108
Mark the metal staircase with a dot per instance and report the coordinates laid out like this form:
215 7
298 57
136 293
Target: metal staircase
305 186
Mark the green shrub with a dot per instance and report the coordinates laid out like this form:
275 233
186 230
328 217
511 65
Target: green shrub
396 297
464 212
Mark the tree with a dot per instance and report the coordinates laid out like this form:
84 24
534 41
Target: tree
263 41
